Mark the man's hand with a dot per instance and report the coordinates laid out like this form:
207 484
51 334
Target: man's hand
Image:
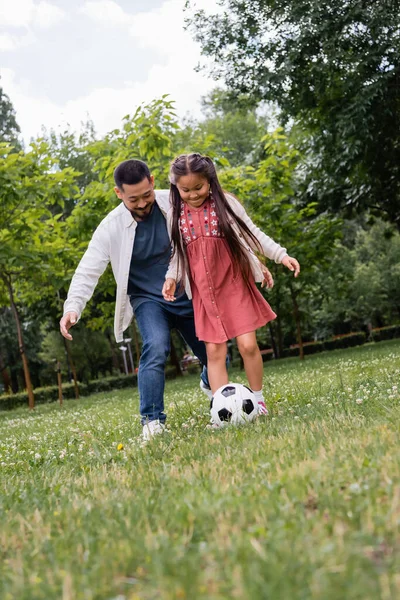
69 320
292 264
268 280
168 290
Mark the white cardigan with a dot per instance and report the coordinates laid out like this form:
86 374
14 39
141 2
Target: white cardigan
112 242
270 249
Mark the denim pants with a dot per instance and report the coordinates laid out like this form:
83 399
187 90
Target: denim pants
155 323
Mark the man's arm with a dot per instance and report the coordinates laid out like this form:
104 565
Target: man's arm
92 265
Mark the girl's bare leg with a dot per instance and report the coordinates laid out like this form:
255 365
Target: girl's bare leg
216 365
253 364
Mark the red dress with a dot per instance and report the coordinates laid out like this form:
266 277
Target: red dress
224 304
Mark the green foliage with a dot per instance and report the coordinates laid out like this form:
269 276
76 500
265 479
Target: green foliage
30 235
361 286
72 150
230 132
332 67
9 128
146 135
91 354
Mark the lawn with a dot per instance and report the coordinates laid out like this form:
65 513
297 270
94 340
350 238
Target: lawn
304 504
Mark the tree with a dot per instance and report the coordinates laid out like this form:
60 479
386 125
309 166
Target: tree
31 240
230 130
69 149
9 128
334 68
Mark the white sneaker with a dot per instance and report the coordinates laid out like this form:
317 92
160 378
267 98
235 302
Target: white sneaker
262 409
207 391
152 428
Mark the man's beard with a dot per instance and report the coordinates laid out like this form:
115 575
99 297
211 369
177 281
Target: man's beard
142 215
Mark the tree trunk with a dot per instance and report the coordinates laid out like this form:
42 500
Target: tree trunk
59 383
296 313
114 356
278 322
72 367
28 384
273 343
175 360
5 375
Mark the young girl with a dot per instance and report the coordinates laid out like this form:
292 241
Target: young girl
214 244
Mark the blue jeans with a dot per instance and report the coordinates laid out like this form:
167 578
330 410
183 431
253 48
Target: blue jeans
155 323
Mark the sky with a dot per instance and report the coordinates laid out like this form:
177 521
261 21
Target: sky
64 61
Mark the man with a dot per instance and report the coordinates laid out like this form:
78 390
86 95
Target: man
134 238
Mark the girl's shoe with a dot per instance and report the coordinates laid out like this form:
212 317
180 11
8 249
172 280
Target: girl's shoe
262 409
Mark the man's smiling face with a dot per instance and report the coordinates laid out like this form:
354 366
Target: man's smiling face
138 197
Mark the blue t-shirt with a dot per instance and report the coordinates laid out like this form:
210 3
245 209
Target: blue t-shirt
149 263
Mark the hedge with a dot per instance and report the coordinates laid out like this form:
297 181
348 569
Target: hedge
385 333
50 393
344 341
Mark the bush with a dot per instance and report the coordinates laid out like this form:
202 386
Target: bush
385 333
346 341
50 393
343 341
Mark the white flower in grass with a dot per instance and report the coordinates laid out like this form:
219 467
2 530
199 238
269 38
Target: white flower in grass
354 488
359 400
37 456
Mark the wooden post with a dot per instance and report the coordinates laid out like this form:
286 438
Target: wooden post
28 383
59 382
72 367
296 313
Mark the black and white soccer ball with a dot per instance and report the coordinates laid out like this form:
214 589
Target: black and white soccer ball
233 403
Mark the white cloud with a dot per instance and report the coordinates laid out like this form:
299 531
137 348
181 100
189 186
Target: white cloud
25 13
8 42
46 15
15 13
173 73
106 11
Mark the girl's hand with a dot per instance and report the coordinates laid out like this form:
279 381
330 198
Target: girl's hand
268 280
292 264
168 290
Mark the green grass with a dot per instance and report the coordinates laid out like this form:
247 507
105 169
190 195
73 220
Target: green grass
303 505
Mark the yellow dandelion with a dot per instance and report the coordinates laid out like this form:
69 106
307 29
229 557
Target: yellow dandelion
120 447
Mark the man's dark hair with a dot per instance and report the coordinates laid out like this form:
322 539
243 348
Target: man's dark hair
131 172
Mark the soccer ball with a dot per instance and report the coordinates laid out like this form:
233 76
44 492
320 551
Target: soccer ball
233 403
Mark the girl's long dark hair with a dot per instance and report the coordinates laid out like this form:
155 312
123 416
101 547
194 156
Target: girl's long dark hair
203 165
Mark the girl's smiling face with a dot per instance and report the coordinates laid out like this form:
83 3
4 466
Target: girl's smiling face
193 189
